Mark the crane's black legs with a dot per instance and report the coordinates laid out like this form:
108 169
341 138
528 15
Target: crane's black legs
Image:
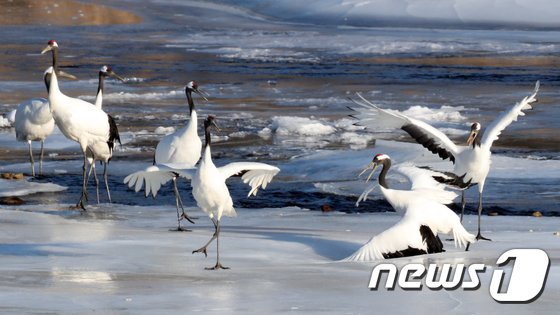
463 203
41 158
92 170
105 173
479 236
216 237
83 197
31 159
179 204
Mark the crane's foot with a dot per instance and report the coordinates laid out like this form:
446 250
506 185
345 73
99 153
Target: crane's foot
480 237
216 267
80 205
186 216
201 250
180 229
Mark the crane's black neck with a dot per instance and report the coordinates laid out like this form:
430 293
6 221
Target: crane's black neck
190 100
207 136
54 51
101 84
386 166
476 141
47 79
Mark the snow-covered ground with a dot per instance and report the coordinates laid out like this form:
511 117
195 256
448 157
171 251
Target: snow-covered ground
123 260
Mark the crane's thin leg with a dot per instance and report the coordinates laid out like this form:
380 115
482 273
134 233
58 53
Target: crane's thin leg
105 173
31 159
203 248
479 236
94 171
218 264
83 197
463 203
179 203
41 160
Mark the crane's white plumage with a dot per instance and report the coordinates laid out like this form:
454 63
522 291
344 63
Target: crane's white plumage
208 183
472 162
405 233
495 128
182 147
422 184
155 176
424 217
33 119
34 122
78 120
255 174
101 151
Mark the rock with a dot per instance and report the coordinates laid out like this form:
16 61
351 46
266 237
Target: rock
537 214
11 176
11 201
493 213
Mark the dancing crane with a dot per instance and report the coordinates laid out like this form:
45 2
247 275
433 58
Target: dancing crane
208 183
472 162
425 215
182 147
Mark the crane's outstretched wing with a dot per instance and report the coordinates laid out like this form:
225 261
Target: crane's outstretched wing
255 174
154 176
507 117
371 116
406 238
422 183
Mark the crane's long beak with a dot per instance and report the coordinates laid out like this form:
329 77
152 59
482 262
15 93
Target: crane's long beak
216 125
61 73
114 75
48 48
202 93
472 136
371 165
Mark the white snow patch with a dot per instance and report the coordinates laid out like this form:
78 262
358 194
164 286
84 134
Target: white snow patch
5 122
25 187
164 130
125 96
442 114
265 133
239 134
289 125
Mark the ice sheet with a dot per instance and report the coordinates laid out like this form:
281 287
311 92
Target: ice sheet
26 186
123 259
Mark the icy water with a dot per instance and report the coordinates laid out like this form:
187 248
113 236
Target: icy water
262 72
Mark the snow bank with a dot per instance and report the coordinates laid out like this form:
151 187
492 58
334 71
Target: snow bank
26 187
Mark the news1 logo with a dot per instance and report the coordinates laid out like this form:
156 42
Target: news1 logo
526 280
